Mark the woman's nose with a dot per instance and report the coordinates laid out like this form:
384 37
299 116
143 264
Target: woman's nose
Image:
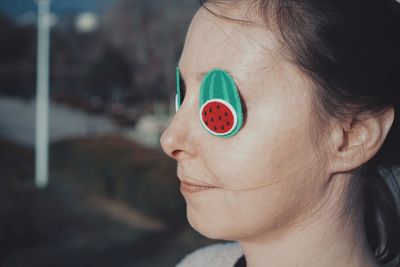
178 140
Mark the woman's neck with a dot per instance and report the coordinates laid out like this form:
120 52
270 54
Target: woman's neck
325 238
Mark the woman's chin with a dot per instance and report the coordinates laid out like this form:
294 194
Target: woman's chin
213 233
213 229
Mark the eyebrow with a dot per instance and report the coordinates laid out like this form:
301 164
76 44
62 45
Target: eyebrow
200 76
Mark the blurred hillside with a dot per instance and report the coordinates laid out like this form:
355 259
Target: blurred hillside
126 55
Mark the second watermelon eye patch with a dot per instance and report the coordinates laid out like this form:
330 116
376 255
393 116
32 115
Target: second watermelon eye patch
180 94
220 106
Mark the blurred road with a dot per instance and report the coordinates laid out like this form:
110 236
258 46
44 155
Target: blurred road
17 122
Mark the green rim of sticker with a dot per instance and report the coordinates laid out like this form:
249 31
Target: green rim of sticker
178 90
218 86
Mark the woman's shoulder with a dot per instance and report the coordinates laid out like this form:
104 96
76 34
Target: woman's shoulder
217 255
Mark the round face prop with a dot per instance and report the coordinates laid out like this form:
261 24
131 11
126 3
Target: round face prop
218 117
178 96
220 105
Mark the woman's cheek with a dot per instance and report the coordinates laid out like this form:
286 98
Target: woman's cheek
250 162
242 215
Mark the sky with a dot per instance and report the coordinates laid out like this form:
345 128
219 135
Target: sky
14 8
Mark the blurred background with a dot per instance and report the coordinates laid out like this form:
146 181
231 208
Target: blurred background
112 197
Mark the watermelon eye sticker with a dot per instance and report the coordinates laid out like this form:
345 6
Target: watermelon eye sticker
179 92
220 106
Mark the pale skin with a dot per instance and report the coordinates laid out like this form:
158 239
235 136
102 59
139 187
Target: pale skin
279 190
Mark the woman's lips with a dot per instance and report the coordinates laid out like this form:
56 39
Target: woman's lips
187 187
190 185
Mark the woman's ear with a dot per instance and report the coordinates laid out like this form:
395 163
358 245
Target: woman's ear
356 141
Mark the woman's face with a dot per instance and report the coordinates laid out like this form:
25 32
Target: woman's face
269 175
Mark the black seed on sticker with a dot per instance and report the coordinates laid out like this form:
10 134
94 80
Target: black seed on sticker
222 127
227 123
226 114
206 122
210 110
217 106
215 128
205 113
219 117
212 119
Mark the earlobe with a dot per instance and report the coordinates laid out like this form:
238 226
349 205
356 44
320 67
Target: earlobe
357 141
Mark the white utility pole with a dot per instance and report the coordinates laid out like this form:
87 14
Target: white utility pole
42 95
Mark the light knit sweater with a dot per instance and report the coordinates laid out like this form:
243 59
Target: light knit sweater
218 255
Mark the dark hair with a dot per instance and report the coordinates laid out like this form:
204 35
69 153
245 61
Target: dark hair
351 51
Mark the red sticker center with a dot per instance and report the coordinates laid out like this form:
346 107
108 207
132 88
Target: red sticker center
217 117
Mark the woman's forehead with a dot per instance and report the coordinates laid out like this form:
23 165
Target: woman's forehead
212 41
